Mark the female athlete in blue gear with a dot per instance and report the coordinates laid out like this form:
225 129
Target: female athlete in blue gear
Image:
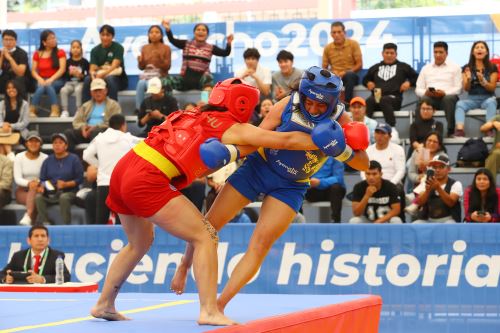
282 175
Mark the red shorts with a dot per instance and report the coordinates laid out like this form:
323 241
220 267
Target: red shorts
138 188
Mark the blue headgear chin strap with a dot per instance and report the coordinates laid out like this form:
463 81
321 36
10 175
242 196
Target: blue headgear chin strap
320 85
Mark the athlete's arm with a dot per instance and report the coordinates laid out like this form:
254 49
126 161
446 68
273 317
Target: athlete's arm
360 161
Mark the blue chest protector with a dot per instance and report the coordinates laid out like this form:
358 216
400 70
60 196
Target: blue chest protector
298 165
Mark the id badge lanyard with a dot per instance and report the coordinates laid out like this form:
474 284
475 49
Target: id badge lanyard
42 263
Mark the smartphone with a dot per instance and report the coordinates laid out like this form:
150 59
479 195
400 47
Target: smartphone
432 89
20 276
429 173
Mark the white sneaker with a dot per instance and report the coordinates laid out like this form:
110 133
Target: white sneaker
64 114
395 136
26 220
412 209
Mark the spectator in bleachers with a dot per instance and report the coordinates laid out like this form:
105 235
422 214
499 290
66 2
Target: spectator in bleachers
387 81
93 116
104 152
6 176
358 112
77 68
327 184
27 167
155 60
196 57
254 74
439 196
106 62
492 162
439 83
391 157
424 124
155 107
189 106
343 57
417 164
479 80
14 115
264 108
14 64
60 176
481 202
283 80
375 200
49 66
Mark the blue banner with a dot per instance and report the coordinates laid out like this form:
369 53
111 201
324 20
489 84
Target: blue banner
424 271
304 38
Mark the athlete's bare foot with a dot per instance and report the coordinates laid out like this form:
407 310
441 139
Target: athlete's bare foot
178 283
107 314
215 319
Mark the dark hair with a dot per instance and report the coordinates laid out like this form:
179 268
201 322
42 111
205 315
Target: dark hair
187 104
442 147
107 28
475 200
442 44
37 226
157 27
203 24
375 165
53 54
251 52
116 121
79 43
486 61
10 33
19 98
426 101
338 24
390 46
284 55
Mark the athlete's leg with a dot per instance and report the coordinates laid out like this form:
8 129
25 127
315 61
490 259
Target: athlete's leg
140 234
180 218
227 204
275 217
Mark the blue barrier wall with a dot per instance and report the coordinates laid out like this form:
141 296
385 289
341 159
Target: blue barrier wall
431 277
305 38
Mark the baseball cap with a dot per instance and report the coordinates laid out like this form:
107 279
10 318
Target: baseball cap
97 84
154 86
442 159
59 135
359 100
33 135
384 128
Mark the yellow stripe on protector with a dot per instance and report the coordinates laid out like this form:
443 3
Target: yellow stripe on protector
158 160
77 320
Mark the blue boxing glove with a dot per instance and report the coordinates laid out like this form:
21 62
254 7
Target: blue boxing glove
215 154
329 136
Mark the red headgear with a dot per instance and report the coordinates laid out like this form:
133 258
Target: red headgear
238 97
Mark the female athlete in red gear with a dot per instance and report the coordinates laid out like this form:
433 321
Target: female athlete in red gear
145 185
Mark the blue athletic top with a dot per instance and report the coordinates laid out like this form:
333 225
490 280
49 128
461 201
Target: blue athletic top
296 165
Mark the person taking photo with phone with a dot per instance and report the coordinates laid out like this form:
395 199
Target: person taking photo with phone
438 197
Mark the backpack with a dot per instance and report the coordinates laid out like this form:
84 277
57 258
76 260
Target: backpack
473 153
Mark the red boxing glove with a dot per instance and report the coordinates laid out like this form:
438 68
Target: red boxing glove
356 135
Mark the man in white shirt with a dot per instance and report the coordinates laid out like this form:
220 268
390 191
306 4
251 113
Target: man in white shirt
391 157
440 83
254 74
104 152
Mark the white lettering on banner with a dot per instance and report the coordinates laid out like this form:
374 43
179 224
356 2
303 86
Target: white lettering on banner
377 36
401 270
295 46
261 43
344 269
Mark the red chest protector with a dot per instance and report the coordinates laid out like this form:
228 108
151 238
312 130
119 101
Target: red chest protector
179 138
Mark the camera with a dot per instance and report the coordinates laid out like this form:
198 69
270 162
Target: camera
429 173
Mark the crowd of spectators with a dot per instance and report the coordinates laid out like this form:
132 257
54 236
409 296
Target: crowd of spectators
380 196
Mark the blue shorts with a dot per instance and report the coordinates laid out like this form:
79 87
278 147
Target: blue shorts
255 177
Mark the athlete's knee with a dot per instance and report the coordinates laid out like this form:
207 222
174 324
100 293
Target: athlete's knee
212 232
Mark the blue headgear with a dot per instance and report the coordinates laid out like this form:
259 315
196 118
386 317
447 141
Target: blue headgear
320 85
